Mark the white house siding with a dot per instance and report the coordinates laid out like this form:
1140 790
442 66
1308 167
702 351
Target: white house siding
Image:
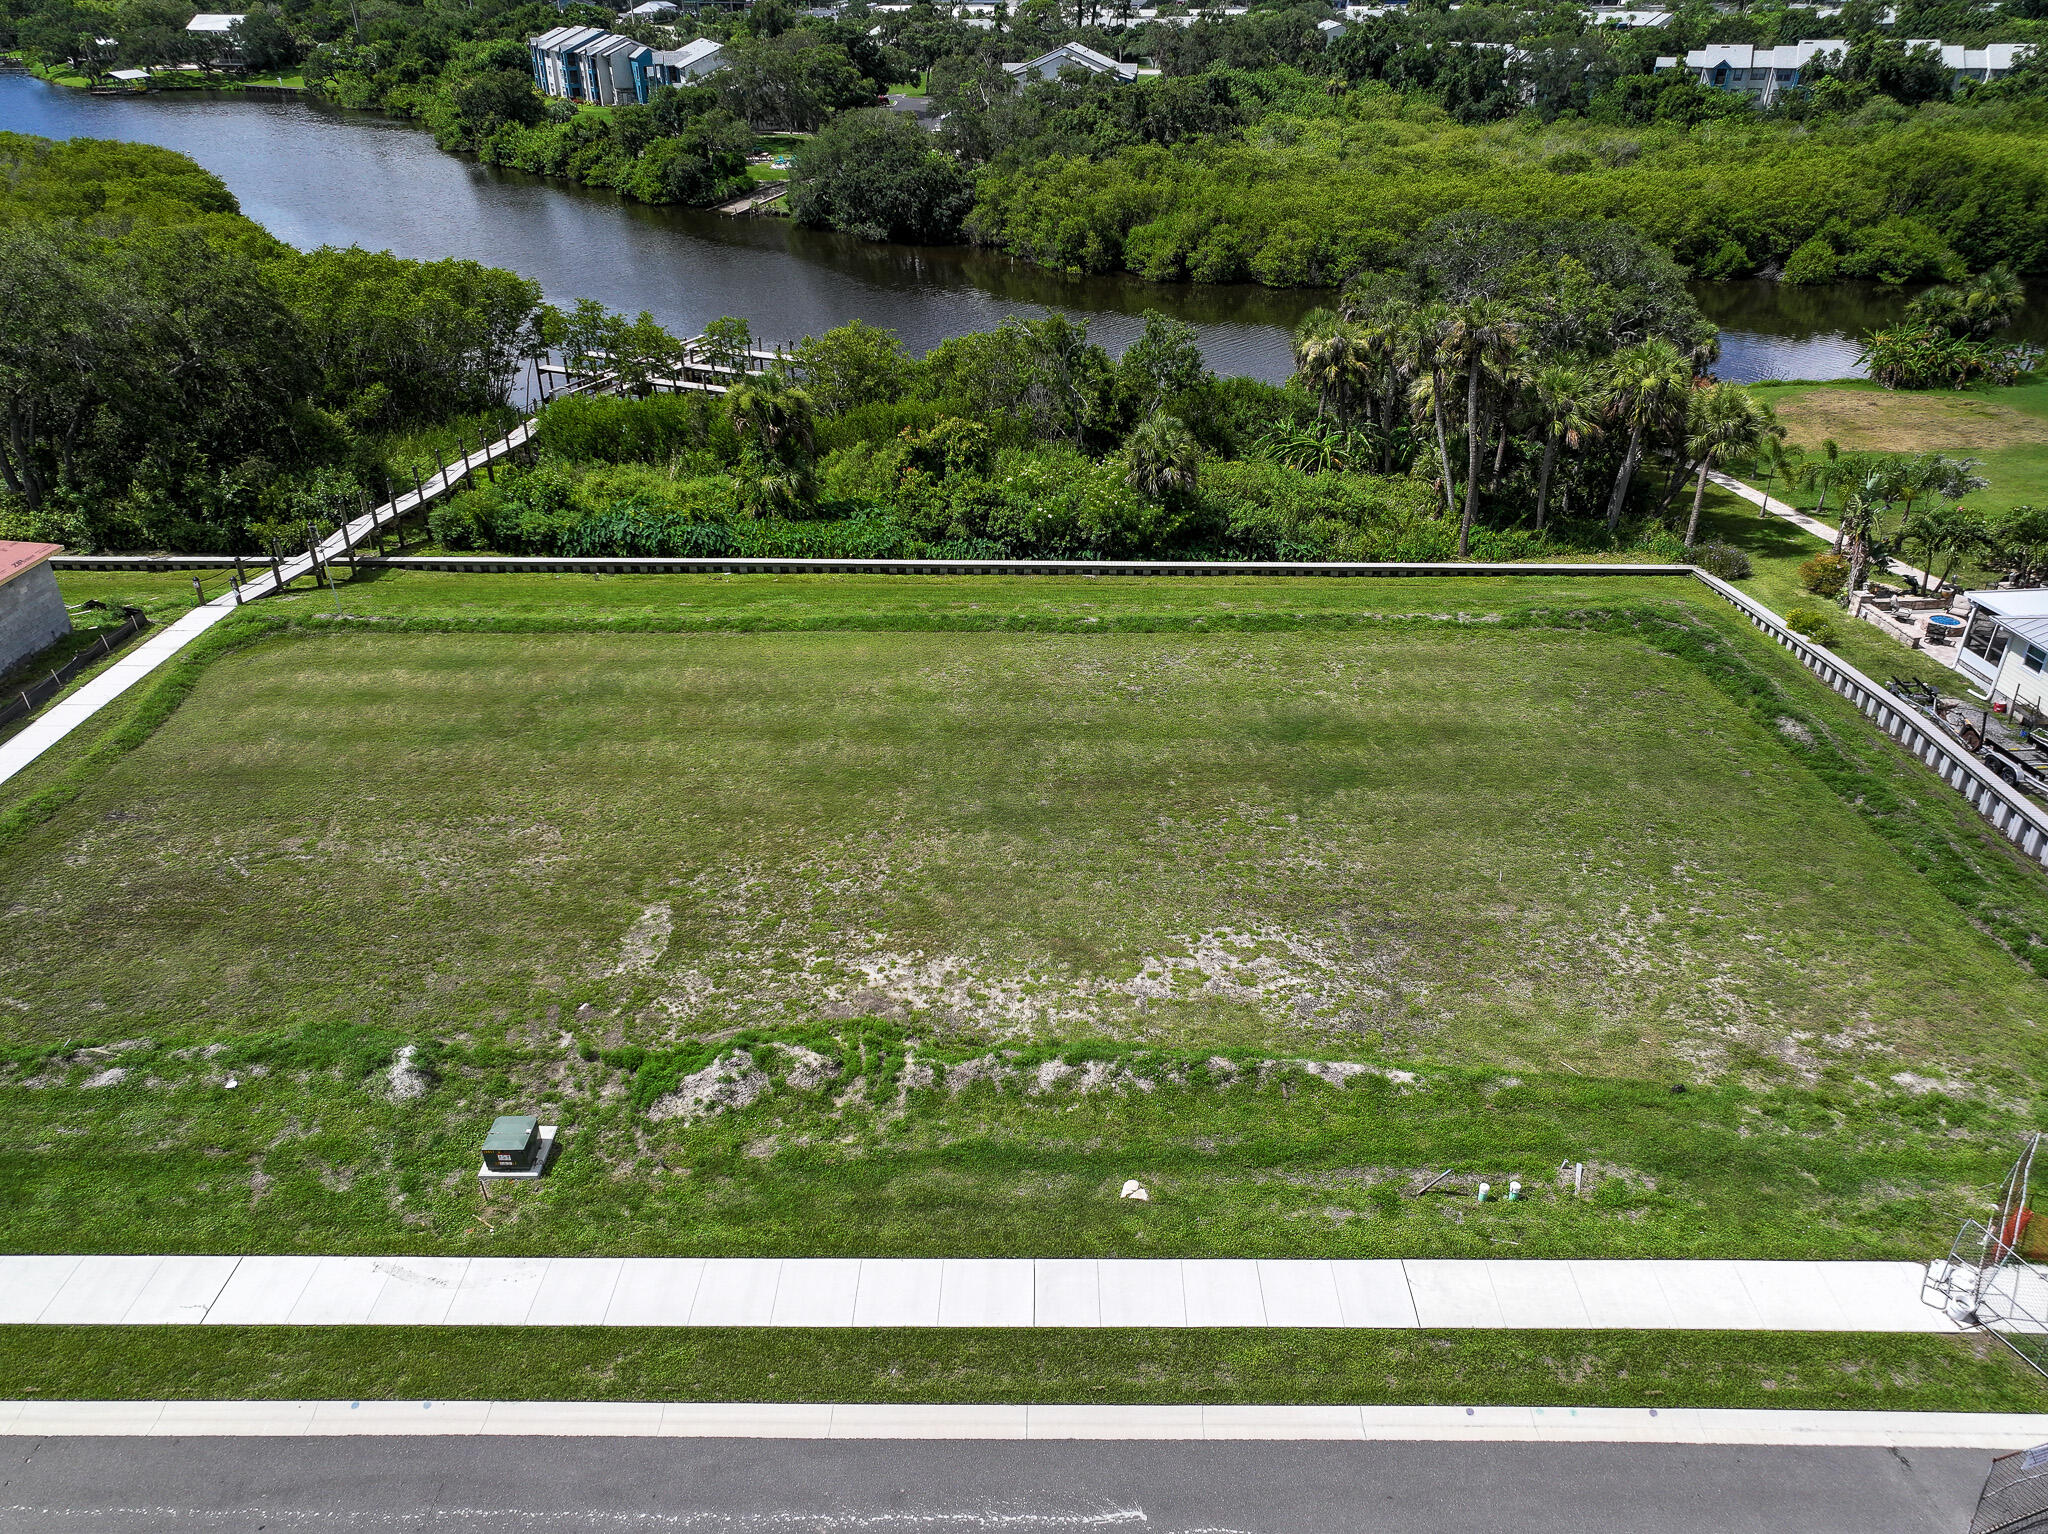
32 614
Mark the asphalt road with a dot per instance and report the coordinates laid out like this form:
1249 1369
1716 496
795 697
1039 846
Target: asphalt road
516 1485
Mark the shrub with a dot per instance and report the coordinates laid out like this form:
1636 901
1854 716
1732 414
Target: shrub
1825 575
1724 560
1264 510
651 430
1816 623
876 174
1925 357
1902 250
1813 262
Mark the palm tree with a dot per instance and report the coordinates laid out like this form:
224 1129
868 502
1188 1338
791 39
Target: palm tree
1423 347
1977 310
1950 534
775 415
1780 462
1571 401
777 427
1959 478
1825 474
1860 520
1724 421
1163 459
1645 382
1482 335
1327 361
1388 367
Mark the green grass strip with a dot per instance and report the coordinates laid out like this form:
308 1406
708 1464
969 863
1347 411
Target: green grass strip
1815 1371
162 697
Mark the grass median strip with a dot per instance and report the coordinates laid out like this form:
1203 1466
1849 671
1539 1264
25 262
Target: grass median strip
1458 1368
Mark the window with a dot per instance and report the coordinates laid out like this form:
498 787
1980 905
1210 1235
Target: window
1986 637
2035 657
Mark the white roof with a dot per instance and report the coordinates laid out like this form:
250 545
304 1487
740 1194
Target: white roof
1976 60
690 53
567 39
1076 53
212 21
608 43
129 74
652 8
2018 605
1744 56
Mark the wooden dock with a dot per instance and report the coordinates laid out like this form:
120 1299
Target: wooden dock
754 202
703 369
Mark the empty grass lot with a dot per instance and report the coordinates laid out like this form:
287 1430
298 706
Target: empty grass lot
2006 430
919 930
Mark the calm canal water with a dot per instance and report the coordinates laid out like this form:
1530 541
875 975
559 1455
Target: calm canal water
315 175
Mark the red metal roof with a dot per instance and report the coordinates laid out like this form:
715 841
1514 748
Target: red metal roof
17 558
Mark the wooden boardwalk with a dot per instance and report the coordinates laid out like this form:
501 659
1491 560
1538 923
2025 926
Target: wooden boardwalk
68 714
767 194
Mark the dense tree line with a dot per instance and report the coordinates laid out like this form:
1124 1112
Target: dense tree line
1312 197
171 376
1261 149
1502 386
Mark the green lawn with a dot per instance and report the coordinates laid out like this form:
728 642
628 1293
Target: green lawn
1055 885
1777 549
1211 1366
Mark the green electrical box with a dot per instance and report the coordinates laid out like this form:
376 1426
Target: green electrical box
513 1143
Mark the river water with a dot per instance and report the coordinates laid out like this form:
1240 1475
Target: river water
316 175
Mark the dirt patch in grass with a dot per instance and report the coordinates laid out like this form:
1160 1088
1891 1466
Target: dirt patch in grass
1908 423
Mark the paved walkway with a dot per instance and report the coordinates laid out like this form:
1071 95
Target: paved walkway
67 714
1800 519
773 1291
1361 1424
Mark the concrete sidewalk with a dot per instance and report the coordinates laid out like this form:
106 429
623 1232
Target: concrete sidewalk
996 1292
777 1419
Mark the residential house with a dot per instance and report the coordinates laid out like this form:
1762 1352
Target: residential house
1626 20
1047 66
1762 73
32 612
2005 647
1975 66
217 28
1759 73
690 63
589 64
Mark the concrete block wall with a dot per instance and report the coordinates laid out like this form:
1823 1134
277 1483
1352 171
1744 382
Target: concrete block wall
32 614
